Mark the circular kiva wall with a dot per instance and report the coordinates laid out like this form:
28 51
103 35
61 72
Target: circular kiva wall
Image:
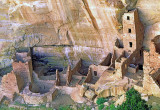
31 97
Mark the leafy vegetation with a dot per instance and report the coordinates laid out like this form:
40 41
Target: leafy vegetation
100 102
65 108
133 102
82 107
100 107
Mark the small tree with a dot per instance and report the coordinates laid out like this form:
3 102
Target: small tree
133 101
101 101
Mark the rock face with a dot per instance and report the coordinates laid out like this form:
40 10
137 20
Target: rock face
114 91
85 23
83 89
90 94
73 22
149 11
121 100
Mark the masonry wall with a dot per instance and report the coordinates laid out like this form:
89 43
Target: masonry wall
99 69
69 75
133 31
122 66
22 69
57 78
77 67
89 76
41 86
36 98
107 60
11 84
151 85
152 58
20 82
132 70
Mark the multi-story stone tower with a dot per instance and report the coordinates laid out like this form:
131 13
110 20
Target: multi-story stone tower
133 31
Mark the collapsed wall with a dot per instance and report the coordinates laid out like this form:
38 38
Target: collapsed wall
11 84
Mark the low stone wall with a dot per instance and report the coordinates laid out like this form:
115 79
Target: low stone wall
22 66
122 62
98 69
89 76
107 60
11 84
69 75
57 78
23 70
132 70
41 86
37 98
73 71
77 66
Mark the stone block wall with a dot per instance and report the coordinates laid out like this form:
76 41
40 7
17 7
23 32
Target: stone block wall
152 59
20 82
37 98
77 66
151 85
124 63
57 78
69 75
133 31
11 84
132 70
98 69
89 76
107 60
41 86
71 72
23 70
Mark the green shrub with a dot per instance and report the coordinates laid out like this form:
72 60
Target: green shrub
100 107
84 107
133 101
100 101
65 108
111 107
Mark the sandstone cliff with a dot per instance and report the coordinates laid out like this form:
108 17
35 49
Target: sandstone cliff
85 23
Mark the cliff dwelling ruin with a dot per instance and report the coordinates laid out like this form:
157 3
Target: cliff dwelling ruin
85 72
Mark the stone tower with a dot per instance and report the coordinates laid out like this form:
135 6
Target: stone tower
133 31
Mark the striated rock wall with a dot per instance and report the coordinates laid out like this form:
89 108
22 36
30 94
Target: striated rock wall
113 91
52 22
86 23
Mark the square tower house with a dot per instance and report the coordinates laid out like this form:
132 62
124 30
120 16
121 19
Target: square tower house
133 31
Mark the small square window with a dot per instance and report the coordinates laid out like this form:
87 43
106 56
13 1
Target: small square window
129 31
140 52
128 17
95 73
130 44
